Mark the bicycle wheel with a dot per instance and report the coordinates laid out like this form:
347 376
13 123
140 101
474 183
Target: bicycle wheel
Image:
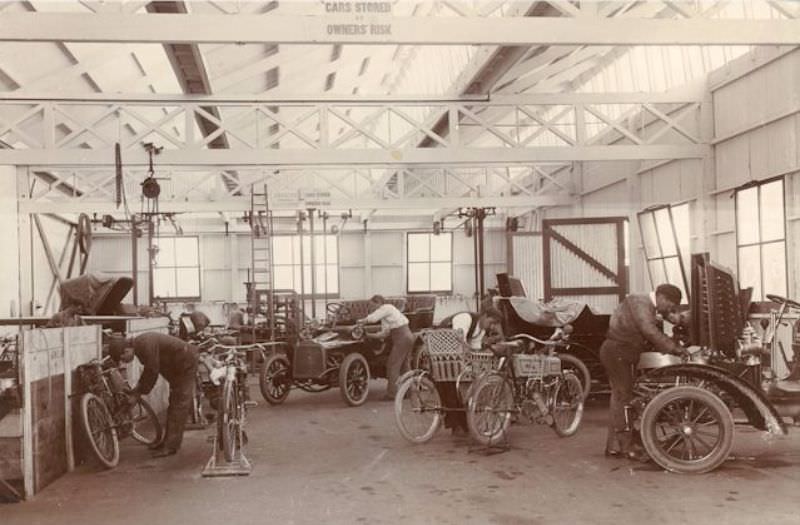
146 427
567 407
576 365
99 429
228 422
489 409
197 417
417 409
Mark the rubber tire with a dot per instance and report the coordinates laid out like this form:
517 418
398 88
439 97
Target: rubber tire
150 414
91 399
568 378
417 382
265 383
354 359
229 436
487 381
580 369
196 416
421 360
721 449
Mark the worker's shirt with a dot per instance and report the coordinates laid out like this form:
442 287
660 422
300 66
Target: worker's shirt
161 354
389 316
467 322
634 324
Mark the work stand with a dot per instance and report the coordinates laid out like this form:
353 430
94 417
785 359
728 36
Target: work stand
218 467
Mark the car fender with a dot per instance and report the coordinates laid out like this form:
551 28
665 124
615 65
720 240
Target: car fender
760 412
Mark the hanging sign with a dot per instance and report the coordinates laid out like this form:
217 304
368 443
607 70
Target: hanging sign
359 26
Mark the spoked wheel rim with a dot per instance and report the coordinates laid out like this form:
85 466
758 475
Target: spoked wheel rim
687 430
230 422
100 430
418 409
273 381
490 407
356 380
146 428
567 409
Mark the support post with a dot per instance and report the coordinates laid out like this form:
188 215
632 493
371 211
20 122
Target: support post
135 259
150 251
313 262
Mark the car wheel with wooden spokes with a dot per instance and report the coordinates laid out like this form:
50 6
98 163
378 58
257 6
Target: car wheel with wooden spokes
275 380
354 379
687 430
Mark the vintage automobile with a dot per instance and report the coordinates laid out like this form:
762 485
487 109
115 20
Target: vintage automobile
337 356
337 353
682 410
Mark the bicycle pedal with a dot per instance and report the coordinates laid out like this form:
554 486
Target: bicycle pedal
251 404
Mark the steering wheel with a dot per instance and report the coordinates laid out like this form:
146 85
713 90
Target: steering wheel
783 300
336 311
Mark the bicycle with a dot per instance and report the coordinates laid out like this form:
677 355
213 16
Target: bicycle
231 397
531 384
444 358
109 413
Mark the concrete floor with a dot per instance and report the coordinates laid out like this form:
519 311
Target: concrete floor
315 461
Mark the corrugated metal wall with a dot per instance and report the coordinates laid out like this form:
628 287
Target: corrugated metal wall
526 262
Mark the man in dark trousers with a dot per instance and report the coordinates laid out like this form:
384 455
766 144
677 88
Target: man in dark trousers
176 361
633 328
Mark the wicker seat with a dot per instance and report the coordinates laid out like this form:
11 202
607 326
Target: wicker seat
449 356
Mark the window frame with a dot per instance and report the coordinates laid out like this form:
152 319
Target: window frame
430 234
155 266
305 287
760 244
661 257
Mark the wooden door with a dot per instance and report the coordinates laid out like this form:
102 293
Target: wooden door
584 260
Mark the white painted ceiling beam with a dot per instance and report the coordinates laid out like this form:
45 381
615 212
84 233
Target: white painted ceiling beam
676 96
284 29
361 157
241 204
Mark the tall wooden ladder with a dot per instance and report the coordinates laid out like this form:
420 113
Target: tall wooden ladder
261 266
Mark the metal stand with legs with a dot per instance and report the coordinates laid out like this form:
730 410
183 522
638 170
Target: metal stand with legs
218 466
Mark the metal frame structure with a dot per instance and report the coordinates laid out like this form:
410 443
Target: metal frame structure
75 190
83 131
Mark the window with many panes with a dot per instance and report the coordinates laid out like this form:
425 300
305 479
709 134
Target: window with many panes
429 262
292 264
666 241
176 268
761 238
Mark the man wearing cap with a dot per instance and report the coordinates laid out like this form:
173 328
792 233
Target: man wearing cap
176 361
633 328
